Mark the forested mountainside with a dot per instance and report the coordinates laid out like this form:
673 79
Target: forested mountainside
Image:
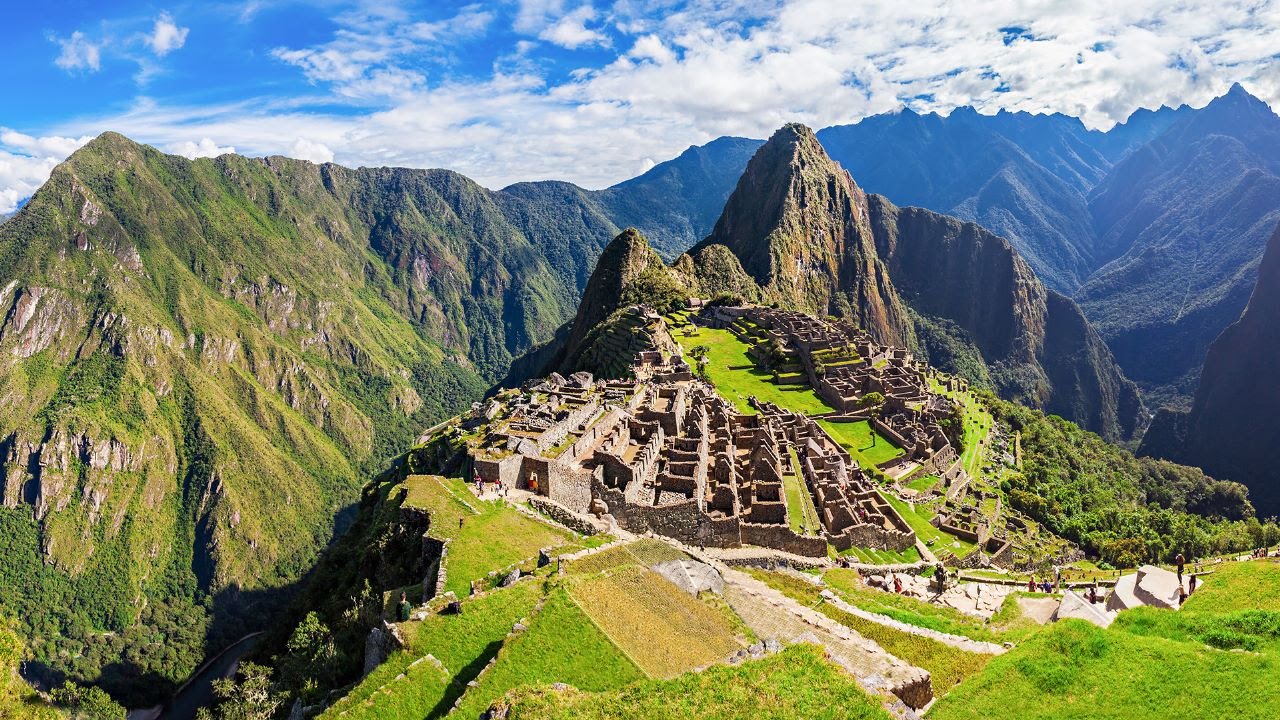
203 360
812 240
1182 223
1231 429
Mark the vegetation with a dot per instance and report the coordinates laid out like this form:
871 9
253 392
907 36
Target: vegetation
918 517
561 645
1253 585
737 378
1125 509
796 683
868 447
17 700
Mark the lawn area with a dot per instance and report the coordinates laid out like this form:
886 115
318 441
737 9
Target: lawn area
1238 586
919 519
660 627
463 644
493 535
946 664
646 551
977 425
561 645
801 514
867 446
736 377
1073 669
796 683
924 483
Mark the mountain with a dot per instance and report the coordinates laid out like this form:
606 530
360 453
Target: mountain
1230 429
812 240
676 202
1181 225
799 226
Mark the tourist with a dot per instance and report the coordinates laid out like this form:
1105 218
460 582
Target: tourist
1031 584
1182 594
459 523
403 608
1181 562
897 584
1192 583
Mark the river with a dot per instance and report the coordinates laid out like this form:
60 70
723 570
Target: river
197 691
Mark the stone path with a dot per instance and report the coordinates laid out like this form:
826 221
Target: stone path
956 641
771 614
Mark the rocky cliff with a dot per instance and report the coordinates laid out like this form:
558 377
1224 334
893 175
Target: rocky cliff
1231 429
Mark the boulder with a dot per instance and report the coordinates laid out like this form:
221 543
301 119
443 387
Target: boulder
691 576
1075 606
511 579
1157 587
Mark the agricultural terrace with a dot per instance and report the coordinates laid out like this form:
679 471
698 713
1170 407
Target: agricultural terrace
661 628
802 516
798 682
492 535
978 424
561 644
1239 586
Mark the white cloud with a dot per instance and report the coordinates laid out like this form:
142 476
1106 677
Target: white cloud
78 53
305 149
571 30
204 149
26 161
166 36
690 72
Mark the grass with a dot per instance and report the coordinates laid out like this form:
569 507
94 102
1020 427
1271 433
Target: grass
924 483
463 644
561 645
801 514
647 552
1073 669
1254 584
947 665
493 539
660 627
796 683
868 447
737 378
883 557
977 425
936 539
907 609
1253 630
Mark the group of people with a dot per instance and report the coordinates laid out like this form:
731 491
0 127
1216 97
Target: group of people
498 488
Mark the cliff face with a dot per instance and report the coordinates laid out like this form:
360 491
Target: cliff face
1038 348
1231 429
799 226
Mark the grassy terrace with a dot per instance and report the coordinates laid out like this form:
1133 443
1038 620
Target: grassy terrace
801 514
977 426
561 645
919 517
947 665
796 683
491 539
883 557
868 447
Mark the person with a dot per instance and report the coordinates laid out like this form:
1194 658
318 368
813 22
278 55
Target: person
459 523
1046 586
403 608
1192 583
1182 594
1181 562
1031 584
897 584
533 483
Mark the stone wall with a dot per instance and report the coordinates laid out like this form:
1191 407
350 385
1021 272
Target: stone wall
782 537
563 515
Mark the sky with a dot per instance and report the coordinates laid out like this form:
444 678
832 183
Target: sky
590 91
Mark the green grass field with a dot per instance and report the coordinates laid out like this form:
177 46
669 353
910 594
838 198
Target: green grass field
931 536
883 557
1252 585
906 609
736 377
867 446
924 483
796 683
663 629
463 644
490 540
561 645
1073 669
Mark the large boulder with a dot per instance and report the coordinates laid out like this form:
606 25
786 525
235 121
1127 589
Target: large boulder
691 576
1074 606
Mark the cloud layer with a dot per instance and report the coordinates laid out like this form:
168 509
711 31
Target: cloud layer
594 92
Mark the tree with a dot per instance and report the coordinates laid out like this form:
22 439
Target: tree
88 703
871 398
250 699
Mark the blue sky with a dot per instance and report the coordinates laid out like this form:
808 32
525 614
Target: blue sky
591 91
